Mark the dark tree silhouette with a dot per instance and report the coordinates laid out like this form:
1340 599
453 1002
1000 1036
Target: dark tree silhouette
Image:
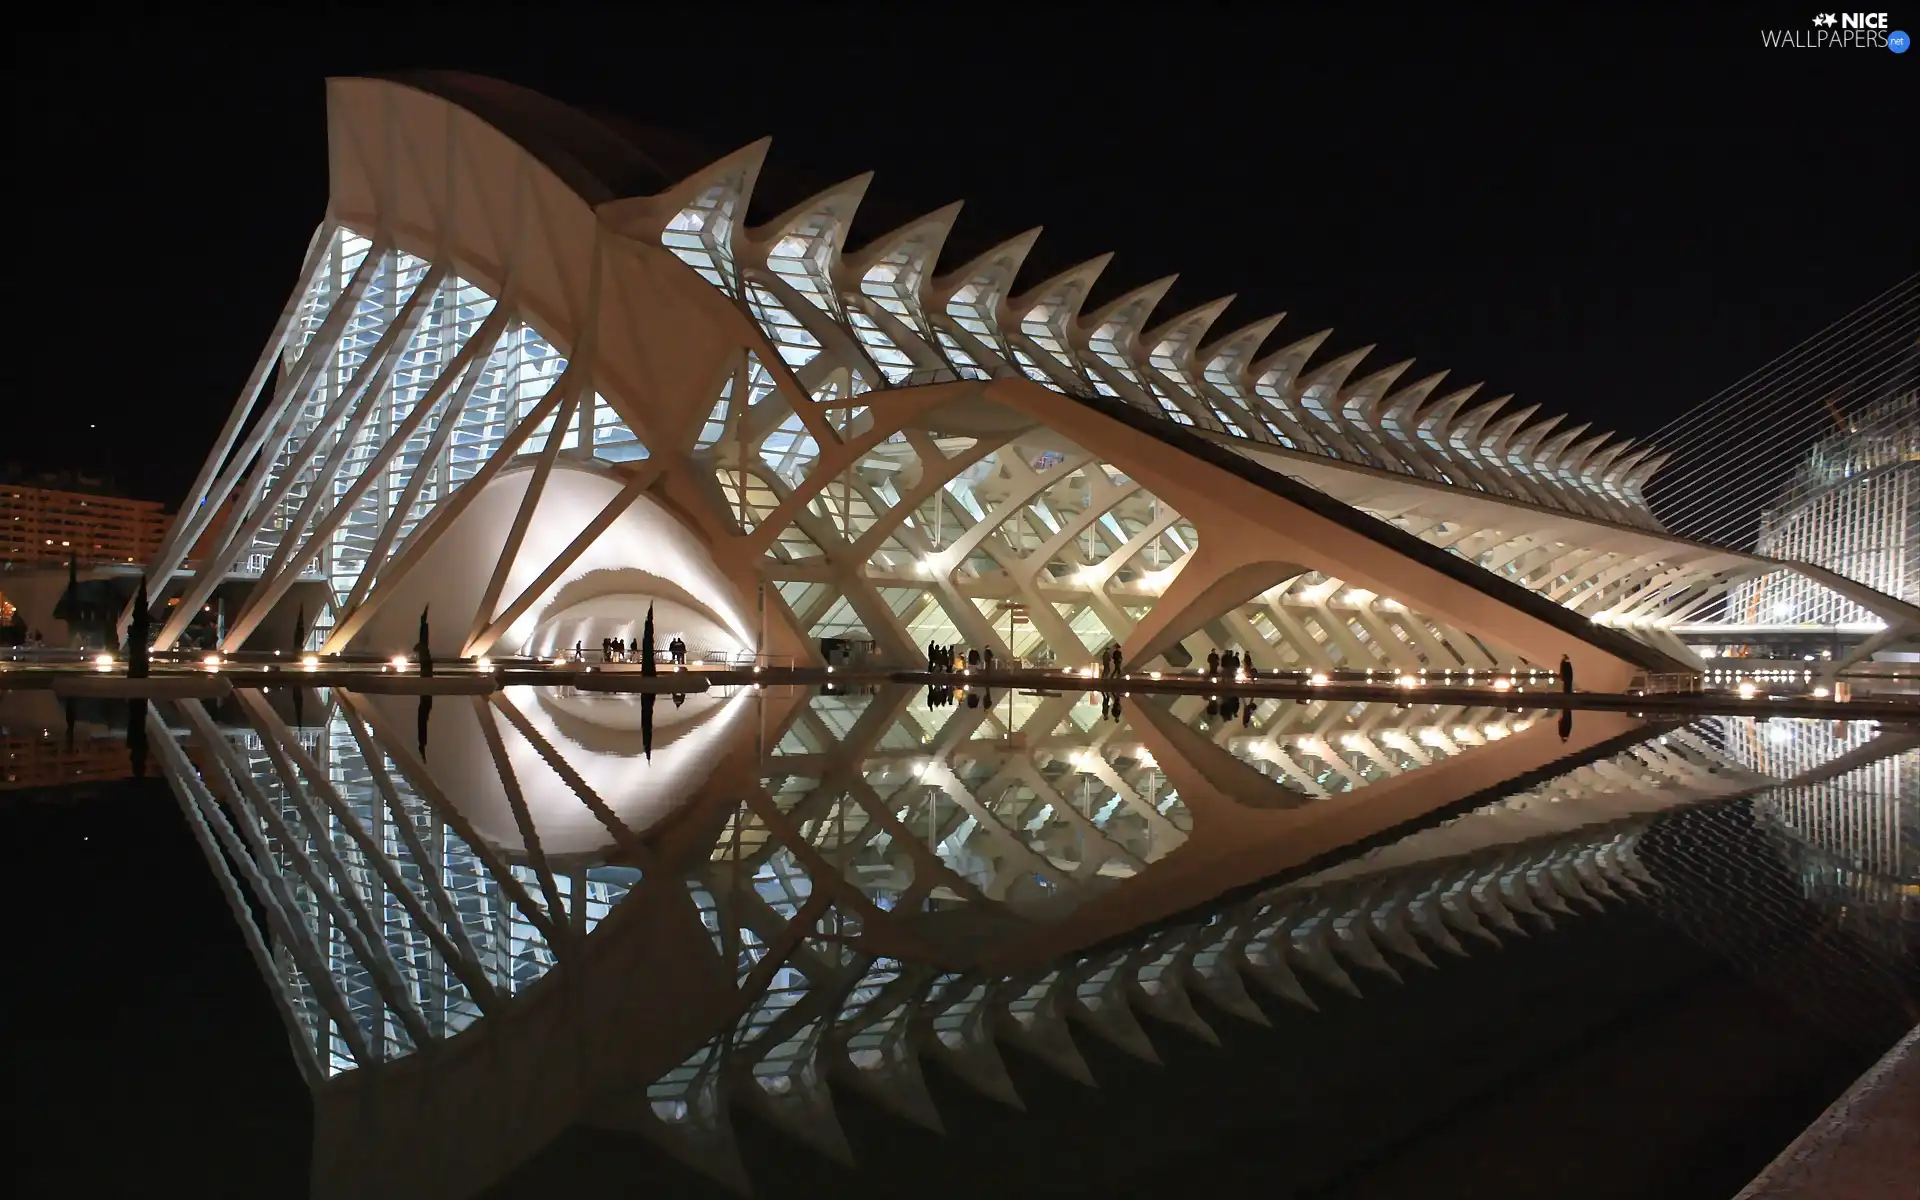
646 645
67 608
139 634
420 721
423 649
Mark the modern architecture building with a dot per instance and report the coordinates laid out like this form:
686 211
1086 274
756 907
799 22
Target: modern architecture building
1854 508
47 526
532 382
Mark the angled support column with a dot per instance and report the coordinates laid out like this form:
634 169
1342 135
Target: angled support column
198 508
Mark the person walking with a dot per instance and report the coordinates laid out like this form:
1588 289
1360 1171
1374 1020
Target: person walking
1566 673
1116 660
1213 664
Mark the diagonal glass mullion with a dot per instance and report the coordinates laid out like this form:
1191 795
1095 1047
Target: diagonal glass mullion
292 935
423 783
529 834
364 933
464 954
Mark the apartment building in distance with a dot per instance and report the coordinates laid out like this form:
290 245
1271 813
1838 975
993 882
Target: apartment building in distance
51 520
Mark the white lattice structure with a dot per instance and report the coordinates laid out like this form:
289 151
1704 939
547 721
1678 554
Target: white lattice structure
1854 509
521 373
796 888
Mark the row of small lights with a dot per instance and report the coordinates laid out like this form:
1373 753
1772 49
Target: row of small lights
1320 678
400 662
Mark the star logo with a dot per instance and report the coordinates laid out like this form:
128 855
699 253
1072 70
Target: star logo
1826 19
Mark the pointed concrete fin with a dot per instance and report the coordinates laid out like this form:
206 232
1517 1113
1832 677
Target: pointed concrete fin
837 204
1241 344
804 1113
1223 986
926 235
1365 394
1334 372
646 216
1445 411
1186 329
977 1064
1068 289
1269 967
702 1138
1404 403
1286 363
1046 1038
996 266
894 1083
1131 310
1169 1002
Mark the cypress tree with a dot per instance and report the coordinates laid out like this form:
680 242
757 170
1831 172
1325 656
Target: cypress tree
646 645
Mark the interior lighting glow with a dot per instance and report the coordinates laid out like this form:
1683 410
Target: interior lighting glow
399 662
1502 684
211 662
103 661
1317 679
311 662
1746 690
483 663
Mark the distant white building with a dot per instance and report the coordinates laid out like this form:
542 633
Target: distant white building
1853 508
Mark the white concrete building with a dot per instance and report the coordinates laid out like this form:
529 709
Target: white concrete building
525 381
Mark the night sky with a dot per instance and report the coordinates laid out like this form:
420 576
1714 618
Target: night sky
1614 215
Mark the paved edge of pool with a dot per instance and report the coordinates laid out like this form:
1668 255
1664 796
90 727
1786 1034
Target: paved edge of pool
1864 1147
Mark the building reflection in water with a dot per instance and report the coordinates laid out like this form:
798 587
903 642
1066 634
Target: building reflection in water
644 918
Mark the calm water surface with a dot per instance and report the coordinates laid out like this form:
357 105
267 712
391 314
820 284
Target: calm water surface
891 942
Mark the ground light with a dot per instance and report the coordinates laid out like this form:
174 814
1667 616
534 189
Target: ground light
1746 690
310 662
103 661
483 663
211 662
399 662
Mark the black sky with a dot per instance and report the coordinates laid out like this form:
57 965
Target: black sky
1613 214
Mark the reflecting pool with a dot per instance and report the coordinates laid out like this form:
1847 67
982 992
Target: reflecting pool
748 937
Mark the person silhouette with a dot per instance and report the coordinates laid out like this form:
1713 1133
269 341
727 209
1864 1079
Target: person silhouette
1566 673
1213 664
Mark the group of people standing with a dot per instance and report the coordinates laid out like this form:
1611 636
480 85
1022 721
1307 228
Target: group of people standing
947 660
1229 665
622 650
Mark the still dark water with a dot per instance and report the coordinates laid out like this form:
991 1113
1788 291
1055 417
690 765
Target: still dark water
868 945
